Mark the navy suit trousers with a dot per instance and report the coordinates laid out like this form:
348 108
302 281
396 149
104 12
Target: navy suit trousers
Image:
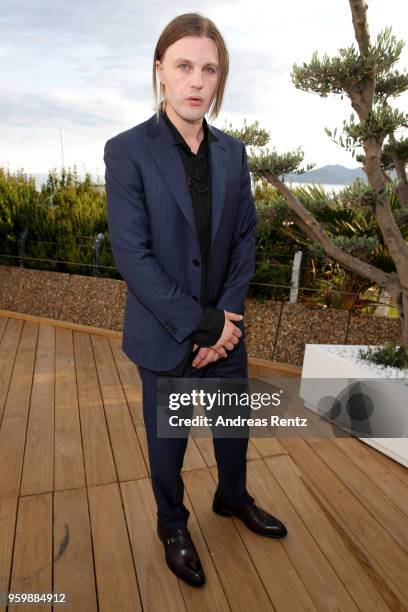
166 455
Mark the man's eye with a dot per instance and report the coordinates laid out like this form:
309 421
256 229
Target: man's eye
209 68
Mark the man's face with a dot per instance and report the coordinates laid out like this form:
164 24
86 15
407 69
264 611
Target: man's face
190 68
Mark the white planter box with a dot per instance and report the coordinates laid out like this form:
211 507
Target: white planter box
388 388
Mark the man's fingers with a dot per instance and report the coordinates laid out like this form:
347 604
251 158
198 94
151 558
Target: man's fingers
233 316
232 329
212 356
229 345
204 357
202 353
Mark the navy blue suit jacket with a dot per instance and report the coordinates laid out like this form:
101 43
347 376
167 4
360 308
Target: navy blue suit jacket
154 238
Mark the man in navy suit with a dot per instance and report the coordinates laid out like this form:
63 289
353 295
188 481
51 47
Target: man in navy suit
182 227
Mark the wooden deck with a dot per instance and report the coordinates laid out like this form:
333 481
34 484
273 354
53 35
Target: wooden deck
77 514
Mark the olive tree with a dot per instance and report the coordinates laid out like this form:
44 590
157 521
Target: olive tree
366 75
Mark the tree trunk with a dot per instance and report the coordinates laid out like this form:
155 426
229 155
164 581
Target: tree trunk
402 185
404 319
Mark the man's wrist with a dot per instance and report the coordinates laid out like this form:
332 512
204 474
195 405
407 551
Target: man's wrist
210 327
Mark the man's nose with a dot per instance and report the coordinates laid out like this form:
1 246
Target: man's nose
197 79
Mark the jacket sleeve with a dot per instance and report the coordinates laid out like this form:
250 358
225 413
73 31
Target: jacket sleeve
242 257
210 327
129 233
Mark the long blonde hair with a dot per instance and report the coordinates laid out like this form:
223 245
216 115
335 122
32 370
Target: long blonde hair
191 24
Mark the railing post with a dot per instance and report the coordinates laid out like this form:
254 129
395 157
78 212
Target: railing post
21 243
297 260
95 253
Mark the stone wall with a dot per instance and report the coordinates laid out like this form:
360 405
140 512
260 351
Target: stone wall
275 330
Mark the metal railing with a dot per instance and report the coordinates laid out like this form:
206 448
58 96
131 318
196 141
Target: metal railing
98 244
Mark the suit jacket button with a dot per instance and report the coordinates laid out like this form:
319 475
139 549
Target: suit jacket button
196 262
195 298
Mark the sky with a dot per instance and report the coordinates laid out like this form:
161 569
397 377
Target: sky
86 68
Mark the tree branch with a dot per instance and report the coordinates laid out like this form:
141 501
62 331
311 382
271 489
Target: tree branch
316 231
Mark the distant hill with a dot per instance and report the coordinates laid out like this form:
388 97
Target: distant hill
330 175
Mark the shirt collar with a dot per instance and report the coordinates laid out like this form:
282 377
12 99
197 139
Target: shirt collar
178 138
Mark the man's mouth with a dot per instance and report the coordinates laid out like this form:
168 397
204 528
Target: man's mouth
195 99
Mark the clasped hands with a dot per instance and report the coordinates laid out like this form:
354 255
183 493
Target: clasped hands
229 338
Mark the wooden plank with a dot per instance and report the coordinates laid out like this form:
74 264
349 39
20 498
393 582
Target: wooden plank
363 473
239 578
127 370
3 325
73 559
332 485
386 513
98 458
206 448
313 569
397 469
271 557
8 514
377 471
193 458
69 460
212 596
132 387
126 449
32 560
58 323
159 587
350 514
14 424
253 362
268 447
257 364
38 467
114 568
10 332
350 563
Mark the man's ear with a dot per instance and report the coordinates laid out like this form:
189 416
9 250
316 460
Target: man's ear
159 69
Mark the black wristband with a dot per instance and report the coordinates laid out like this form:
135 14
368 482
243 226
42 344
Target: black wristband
210 328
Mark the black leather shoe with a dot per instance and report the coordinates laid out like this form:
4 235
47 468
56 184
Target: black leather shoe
181 555
255 518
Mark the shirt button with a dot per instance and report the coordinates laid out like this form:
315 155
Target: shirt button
196 262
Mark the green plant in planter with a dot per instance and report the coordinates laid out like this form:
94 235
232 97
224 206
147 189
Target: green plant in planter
390 355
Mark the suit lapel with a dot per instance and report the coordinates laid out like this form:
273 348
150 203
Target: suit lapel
164 152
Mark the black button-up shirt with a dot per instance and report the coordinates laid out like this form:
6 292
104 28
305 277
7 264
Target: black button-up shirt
198 176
